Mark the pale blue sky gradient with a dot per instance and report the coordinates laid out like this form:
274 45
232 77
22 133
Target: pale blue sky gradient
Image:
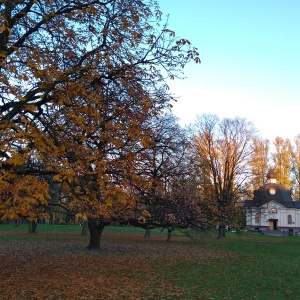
250 53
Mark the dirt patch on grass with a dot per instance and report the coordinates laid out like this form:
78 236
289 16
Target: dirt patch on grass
58 266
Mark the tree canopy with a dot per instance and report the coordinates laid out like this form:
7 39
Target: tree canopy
259 161
78 82
282 160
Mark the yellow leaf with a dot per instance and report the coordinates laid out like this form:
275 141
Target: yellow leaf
81 216
108 202
3 28
146 213
142 219
56 177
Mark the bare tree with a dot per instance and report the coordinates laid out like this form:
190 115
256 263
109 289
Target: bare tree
222 149
162 165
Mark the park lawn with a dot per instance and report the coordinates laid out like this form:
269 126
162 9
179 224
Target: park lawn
54 264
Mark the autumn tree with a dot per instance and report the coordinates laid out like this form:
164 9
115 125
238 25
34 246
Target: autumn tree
259 161
222 149
78 82
295 168
281 158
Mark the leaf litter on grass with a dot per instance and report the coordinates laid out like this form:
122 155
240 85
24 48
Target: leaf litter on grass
127 267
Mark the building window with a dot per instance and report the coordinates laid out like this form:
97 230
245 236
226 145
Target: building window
290 221
257 218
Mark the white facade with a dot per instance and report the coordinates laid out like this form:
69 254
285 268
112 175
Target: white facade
273 216
272 208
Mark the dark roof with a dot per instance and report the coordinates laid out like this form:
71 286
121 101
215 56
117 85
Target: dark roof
281 196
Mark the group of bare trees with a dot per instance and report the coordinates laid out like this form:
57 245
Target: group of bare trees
233 161
224 162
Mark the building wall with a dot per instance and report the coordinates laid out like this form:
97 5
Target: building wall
273 211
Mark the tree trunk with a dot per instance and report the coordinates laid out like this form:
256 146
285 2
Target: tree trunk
96 228
169 234
221 231
147 233
85 229
32 226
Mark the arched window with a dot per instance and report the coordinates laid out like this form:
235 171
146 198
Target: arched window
290 221
256 218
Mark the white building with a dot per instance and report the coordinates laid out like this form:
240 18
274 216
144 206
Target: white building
273 208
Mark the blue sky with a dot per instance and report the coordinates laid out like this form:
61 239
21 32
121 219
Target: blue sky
250 62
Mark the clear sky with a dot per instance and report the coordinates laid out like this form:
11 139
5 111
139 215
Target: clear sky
250 61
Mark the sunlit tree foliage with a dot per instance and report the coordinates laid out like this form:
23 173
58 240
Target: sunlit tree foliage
78 81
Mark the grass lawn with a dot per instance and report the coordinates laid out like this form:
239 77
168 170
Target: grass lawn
54 264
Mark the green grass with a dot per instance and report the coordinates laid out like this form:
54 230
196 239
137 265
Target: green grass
268 268
49 232
246 266
41 228
67 228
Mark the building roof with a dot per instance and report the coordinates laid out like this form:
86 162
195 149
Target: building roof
272 191
271 174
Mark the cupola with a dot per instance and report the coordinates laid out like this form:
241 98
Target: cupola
272 176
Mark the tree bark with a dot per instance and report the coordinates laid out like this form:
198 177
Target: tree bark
147 233
85 229
32 226
96 228
169 234
221 231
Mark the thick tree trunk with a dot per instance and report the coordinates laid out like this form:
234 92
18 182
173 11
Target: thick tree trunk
221 231
147 233
96 228
32 226
169 234
85 229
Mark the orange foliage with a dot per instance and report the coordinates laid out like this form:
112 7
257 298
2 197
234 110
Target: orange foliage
78 80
